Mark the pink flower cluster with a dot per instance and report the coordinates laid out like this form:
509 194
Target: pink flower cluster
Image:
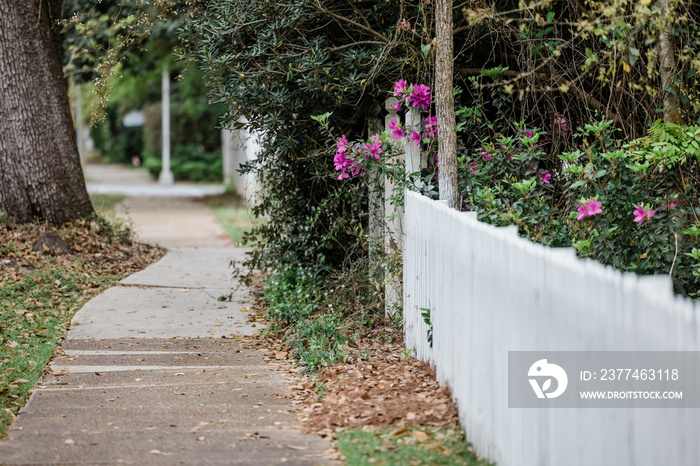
641 214
589 209
396 130
430 131
666 204
418 95
349 159
644 214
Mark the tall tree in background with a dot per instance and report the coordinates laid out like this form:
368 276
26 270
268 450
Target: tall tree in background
445 103
40 172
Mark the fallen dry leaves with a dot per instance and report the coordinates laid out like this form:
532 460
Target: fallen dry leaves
93 248
388 389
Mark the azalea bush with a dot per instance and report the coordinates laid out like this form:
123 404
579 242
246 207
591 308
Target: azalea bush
620 203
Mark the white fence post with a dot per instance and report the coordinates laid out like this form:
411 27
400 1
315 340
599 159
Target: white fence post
394 233
413 153
227 156
393 241
376 206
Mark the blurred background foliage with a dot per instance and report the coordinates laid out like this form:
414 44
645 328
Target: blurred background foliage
142 42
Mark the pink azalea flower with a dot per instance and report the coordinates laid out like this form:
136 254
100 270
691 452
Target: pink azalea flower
397 106
399 87
421 96
396 131
341 162
415 138
529 134
642 214
589 209
374 147
474 168
431 127
342 145
485 154
668 204
546 177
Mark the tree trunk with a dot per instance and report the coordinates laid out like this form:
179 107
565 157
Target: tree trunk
445 104
40 173
667 70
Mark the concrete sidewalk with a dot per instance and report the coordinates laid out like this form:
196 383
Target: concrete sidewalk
159 371
169 216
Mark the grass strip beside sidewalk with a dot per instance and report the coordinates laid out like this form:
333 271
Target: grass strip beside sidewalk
405 446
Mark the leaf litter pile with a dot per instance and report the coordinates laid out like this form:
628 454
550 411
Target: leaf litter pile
381 406
388 389
46 275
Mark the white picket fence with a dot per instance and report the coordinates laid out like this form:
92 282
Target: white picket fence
490 292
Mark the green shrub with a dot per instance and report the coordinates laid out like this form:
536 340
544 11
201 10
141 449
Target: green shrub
305 60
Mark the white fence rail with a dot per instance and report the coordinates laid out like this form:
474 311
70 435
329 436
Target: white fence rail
490 292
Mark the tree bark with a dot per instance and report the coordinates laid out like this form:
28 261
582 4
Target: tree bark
445 104
667 70
40 173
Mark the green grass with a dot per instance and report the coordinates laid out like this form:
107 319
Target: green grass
417 446
105 203
236 220
35 308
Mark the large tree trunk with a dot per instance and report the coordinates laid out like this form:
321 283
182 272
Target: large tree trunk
40 173
445 104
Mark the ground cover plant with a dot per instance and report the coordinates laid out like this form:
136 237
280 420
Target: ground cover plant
320 318
46 275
